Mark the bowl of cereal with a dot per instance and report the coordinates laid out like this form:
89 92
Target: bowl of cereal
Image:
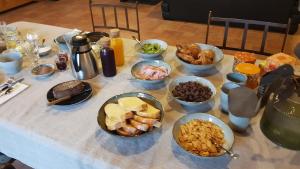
197 134
192 91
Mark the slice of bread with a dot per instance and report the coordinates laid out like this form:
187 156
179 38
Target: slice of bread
132 104
138 125
145 120
129 129
122 132
150 112
149 121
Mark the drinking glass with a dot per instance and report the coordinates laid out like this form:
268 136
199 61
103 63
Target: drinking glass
10 36
33 47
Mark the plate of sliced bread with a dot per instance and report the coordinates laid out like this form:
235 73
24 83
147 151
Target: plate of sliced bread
130 114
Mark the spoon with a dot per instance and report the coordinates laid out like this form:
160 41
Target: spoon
43 42
231 154
137 40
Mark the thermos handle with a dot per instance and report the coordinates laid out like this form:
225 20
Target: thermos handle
76 62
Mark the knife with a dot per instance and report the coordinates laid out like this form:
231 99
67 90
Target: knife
11 85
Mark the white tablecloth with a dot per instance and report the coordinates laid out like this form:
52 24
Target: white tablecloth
70 138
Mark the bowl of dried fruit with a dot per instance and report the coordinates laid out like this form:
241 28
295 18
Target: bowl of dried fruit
192 90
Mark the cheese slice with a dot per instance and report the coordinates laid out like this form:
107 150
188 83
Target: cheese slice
115 116
132 104
113 124
150 112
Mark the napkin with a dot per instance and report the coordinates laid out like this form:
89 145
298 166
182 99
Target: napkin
17 88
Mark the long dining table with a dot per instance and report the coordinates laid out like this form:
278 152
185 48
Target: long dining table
69 137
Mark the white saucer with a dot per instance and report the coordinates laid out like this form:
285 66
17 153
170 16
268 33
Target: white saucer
45 50
48 70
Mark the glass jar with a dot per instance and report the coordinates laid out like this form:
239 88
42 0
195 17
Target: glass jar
281 119
243 57
251 71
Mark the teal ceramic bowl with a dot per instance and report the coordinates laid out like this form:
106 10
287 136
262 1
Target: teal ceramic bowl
163 46
144 96
138 66
228 134
200 68
200 80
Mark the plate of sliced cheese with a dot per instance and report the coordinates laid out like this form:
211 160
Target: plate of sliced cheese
130 114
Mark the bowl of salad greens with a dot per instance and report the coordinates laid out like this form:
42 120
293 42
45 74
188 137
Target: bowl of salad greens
151 49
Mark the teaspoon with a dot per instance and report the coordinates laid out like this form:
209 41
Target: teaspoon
137 40
230 153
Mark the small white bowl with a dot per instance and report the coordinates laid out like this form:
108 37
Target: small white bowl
162 44
201 80
45 50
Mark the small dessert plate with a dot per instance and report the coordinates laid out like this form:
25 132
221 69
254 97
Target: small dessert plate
43 70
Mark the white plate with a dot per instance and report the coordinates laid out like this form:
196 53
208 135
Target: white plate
45 75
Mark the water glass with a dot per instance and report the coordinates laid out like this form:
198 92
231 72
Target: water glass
10 36
33 48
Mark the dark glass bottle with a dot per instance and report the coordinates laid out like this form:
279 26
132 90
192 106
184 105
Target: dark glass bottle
107 58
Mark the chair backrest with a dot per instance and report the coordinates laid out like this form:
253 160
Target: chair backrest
126 7
246 24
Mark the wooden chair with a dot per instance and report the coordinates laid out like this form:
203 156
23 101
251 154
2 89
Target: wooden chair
115 7
246 24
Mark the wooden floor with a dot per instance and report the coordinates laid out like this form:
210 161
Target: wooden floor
75 14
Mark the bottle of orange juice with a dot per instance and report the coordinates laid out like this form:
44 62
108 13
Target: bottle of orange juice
117 45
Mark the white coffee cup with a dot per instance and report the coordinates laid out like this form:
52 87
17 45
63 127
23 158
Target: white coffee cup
11 62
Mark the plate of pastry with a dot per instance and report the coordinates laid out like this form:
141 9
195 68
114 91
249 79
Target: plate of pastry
69 93
130 115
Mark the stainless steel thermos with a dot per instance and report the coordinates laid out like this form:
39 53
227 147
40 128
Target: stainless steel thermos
83 58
